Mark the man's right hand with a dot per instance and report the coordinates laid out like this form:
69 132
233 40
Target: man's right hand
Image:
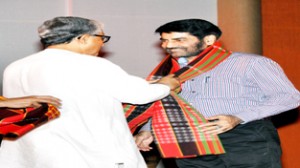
170 80
143 140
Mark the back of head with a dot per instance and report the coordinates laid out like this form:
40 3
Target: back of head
63 29
196 27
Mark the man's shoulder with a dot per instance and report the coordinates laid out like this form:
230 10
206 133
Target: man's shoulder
17 62
248 57
245 55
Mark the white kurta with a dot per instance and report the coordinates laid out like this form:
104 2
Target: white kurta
92 131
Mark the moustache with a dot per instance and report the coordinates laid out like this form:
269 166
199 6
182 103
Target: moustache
169 49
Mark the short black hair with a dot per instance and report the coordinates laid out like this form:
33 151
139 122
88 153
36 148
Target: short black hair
196 27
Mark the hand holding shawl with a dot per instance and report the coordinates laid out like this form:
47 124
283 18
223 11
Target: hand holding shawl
16 122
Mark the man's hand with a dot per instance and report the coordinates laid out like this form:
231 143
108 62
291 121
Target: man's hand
220 123
29 101
143 140
170 80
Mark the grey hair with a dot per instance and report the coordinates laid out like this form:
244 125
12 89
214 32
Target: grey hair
64 29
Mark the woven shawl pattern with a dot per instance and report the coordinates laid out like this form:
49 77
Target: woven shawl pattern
17 122
174 121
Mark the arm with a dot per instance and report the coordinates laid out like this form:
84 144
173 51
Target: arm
279 94
274 94
135 90
29 101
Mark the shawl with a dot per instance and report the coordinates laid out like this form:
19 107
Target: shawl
17 122
174 121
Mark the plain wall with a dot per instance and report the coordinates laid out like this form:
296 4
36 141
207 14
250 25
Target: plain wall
133 45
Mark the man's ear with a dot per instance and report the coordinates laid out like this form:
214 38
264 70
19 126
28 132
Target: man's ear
209 39
83 38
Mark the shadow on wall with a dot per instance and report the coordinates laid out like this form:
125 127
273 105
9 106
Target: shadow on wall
104 54
286 118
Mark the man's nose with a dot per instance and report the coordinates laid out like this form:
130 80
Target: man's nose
170 44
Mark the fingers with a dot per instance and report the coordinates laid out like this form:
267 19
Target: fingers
48 99
143 140
144 148
138 140
31 101
213 129
220 124
170 80
153 81
34 104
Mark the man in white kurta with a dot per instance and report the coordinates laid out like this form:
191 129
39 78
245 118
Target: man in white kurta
92 131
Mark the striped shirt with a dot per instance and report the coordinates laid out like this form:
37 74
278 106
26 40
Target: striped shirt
248 86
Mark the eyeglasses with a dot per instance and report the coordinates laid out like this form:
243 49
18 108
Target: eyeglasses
103 37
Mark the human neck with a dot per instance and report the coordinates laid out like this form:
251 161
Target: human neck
68 47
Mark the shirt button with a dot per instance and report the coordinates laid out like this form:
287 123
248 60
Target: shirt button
193 91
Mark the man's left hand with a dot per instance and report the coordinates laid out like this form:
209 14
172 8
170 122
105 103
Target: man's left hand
220 124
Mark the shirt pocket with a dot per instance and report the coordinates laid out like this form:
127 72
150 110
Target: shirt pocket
221 86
